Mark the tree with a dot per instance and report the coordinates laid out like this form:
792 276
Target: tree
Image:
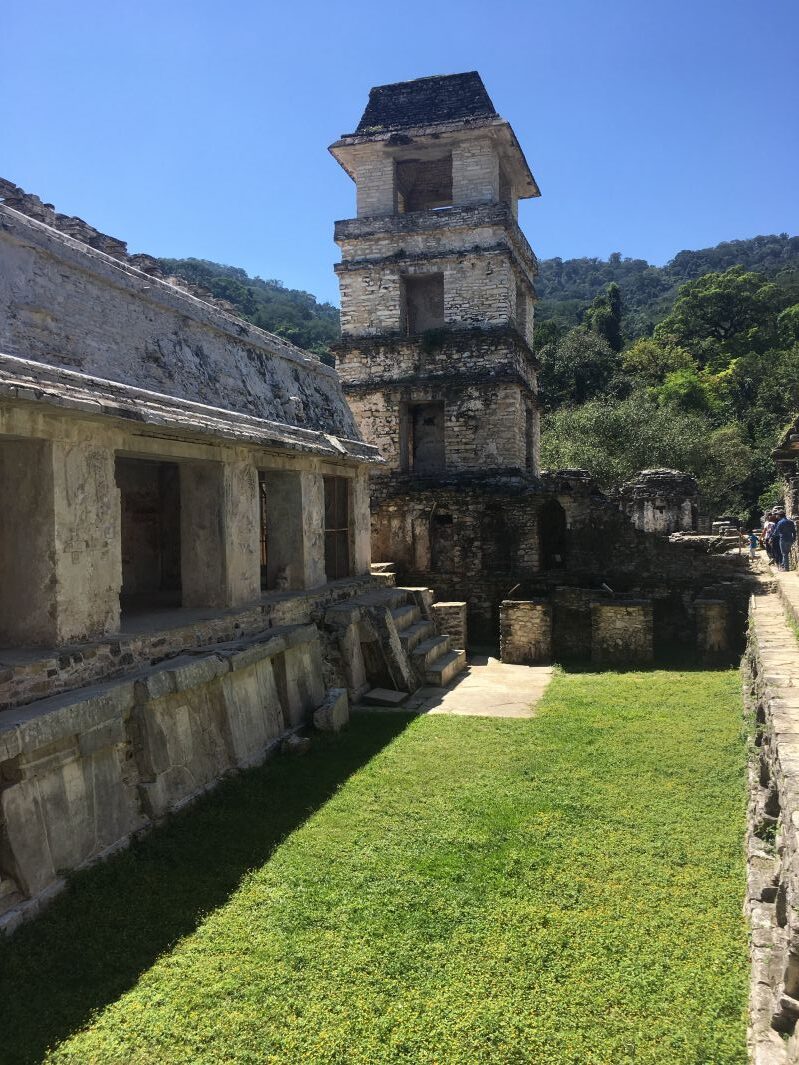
603 317
719 316
651 360
614 439
576 367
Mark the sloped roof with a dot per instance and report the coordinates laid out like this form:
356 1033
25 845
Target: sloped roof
425 102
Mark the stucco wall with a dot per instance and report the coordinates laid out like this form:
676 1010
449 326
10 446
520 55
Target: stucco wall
66 304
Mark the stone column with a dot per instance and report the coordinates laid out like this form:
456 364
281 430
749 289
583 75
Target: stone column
361 524
622 632
88 541
525 631
313 529
202 534
27 543
242 524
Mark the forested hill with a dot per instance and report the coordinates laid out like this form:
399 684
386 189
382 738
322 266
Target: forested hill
289 312
567 286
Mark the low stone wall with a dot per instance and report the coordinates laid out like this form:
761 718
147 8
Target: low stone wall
525 631
450 619
27 677
81 773
771 693
622 632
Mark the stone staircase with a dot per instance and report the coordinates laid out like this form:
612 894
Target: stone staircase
433 657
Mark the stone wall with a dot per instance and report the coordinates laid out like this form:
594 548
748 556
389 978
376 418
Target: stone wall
66 304
485 424
525 632
82 773
771 681
622 632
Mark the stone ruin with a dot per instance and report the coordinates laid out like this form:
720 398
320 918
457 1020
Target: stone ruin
437 362
661 501
192 504
185 576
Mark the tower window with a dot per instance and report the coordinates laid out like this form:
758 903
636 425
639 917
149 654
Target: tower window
423 438
423 185
424 303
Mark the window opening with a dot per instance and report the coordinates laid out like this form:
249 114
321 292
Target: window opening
426 453
424 303
337 527
423 184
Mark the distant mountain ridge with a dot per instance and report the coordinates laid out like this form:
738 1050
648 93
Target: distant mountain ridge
567 286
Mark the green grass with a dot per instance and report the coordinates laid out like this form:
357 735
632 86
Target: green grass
561 890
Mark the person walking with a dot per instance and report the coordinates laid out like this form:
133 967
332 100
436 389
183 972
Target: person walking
754 542
768 530
784 535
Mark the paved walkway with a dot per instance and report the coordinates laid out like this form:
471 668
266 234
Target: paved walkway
488 688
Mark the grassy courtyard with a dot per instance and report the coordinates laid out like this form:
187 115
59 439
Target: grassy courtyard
559 890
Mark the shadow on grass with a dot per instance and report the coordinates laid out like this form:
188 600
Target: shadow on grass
115 919
674 658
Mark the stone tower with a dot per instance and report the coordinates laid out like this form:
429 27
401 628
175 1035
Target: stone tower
436 282
436 355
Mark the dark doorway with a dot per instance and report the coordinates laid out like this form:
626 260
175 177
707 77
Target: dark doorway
337 527
427 437
552 535
150 498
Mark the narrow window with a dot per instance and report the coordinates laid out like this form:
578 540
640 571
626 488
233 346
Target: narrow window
424 303
337 527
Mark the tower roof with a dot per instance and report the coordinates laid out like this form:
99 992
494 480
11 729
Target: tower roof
426 101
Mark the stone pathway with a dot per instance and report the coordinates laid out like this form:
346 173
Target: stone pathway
488 688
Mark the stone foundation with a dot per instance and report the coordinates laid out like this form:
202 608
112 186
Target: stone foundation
81 773
622 632
525 632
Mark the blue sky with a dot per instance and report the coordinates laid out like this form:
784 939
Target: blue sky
201 128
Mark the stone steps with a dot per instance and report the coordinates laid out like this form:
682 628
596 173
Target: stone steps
429 651
445 669
411 637
405 616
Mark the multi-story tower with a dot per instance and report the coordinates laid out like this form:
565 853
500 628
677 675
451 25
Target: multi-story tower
436 355
437 281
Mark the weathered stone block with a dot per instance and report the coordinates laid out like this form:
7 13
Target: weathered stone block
334 713
525 631
622 632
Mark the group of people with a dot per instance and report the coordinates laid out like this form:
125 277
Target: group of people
776 537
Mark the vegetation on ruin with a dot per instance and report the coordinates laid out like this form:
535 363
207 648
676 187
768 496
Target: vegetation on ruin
708 391
564 889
